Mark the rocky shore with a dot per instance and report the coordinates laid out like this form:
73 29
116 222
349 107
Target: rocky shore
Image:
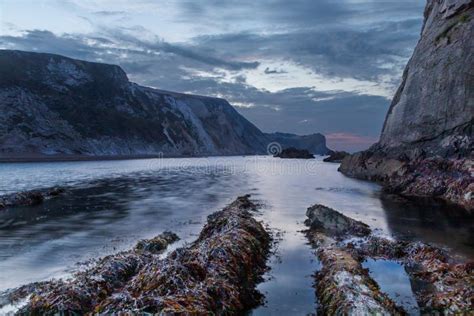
29 198
426 145
215 274
441 285
87 288
449 180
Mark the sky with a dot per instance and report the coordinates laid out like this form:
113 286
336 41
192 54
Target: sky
299 66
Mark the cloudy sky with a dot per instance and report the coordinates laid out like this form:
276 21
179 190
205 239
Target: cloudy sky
298 66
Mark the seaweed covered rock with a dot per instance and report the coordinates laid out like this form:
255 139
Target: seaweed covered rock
336 156
86 289
157 244
216 274
293 153
441 284
29 198
449 180
344 287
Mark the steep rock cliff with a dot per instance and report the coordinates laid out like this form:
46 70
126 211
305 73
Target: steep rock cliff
426 145
54 105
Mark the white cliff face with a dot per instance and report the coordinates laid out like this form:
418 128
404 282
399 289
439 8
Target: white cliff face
434 107
51 104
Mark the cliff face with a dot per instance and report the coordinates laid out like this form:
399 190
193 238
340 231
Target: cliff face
53 105
314 143
426 144
434 106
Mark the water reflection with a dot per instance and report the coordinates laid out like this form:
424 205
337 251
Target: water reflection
435 223
104 216
112 204
394 281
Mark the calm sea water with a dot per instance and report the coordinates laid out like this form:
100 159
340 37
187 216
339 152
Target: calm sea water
112 204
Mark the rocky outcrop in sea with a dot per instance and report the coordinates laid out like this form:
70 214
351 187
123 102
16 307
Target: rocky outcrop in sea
426 145
293 153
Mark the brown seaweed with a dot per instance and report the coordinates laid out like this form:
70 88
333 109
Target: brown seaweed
216 274
447 285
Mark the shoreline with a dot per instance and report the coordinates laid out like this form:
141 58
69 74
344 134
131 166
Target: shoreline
76 158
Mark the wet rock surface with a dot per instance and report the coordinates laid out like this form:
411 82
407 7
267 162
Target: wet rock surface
293 153
450 180
333 223
440 283
427 138
87 288
336 156
29 198
343 286
217 273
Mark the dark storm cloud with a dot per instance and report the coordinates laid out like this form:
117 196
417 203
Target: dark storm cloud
46 41
300 12
75 45
361 54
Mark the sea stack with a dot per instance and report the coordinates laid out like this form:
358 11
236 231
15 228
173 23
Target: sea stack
426 145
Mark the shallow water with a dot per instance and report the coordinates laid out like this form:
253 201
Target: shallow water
114 203
394 281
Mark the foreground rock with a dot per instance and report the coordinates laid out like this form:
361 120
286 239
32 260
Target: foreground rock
29 198
427 138
293 153
332 223
439 282
216 274
343 286
88 288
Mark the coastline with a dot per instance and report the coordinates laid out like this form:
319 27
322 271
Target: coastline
70 158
